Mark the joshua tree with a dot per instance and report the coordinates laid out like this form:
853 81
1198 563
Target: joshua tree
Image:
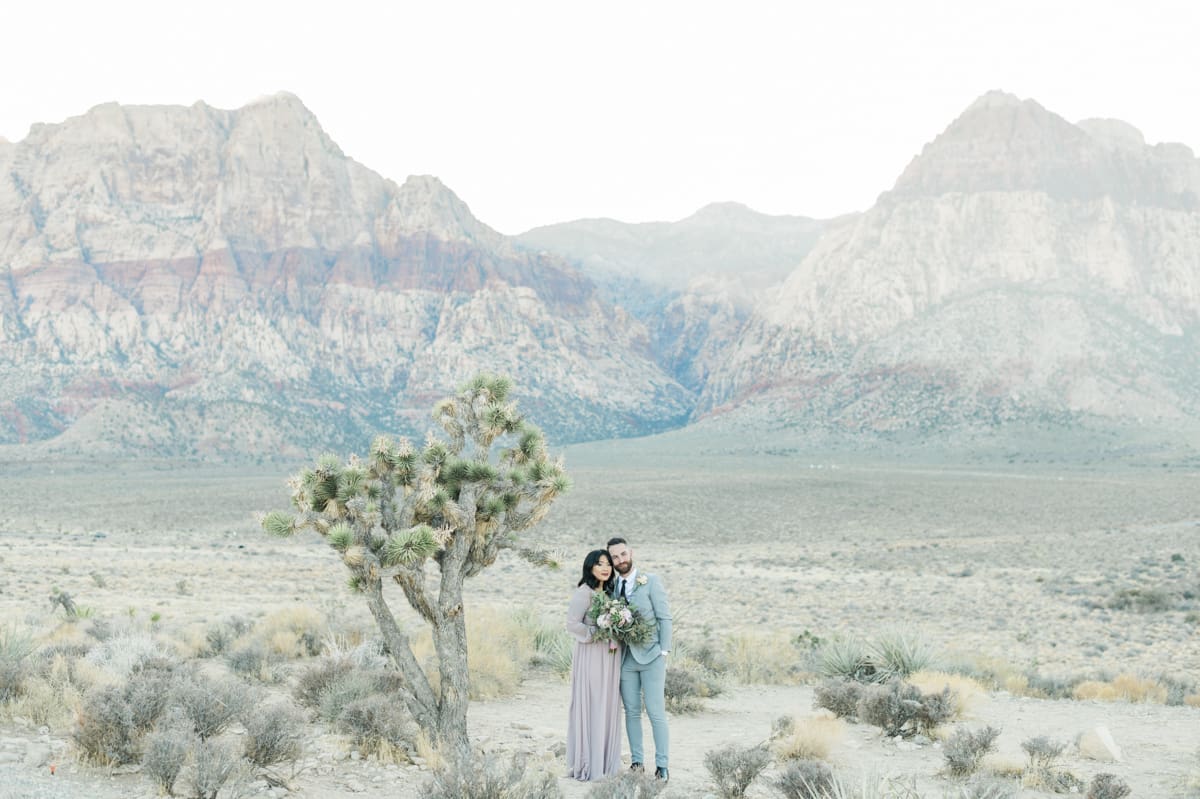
454 502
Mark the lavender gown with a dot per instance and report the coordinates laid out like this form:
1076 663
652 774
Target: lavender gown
594 722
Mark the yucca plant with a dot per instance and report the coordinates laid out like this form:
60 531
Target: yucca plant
848 658
456 501
898 653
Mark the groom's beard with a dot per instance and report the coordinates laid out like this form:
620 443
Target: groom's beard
628 568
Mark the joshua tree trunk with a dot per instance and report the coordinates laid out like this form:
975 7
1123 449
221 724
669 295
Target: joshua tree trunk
451 502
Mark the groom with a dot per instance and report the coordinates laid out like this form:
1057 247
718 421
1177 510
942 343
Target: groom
644 667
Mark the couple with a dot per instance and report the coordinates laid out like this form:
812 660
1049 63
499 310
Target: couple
599 674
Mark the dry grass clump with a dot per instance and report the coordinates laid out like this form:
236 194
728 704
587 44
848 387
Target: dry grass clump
51 696
16 647
810 738
968 692
292 632
1122 688
500 645
762 658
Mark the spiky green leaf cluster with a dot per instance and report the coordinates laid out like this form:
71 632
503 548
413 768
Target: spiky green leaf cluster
409 546
340 536
279 524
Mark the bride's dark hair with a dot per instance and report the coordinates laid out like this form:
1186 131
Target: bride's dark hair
591 560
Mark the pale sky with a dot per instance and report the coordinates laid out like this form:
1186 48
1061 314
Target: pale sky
542 112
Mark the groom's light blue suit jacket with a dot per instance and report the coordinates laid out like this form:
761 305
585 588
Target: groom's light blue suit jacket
651 601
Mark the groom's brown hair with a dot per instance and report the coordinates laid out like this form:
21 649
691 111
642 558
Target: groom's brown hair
612 542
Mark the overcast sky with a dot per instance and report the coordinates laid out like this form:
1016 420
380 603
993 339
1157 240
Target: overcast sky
540 112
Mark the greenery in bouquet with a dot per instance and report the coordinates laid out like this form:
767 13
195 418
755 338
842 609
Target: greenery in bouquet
617 621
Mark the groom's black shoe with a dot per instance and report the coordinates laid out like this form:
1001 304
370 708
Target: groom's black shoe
660 773
636 767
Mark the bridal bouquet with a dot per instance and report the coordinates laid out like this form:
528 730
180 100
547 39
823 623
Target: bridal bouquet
618 622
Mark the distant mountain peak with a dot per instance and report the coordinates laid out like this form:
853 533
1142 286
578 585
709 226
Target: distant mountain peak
996 98
427 205
1003 143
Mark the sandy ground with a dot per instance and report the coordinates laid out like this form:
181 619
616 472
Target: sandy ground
1007 565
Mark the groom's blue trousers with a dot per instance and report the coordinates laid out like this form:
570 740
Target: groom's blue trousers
648 680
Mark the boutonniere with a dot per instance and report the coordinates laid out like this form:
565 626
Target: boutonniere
641 580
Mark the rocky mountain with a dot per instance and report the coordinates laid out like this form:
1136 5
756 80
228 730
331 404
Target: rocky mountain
694 282
1022 268
207 282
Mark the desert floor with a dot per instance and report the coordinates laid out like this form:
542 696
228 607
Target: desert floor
1006 564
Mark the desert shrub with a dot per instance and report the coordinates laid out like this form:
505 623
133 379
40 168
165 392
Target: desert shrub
965 749
1122 688
628 785
274 734
810 739
16 645
782 726
1108 786
1043 752
486 778
148 690
250 659
1153 599
846 658
215 762
899 653
344 689
734 767
936 709
219 636
984 788
901 709
378 724
893 707
1049 686
805 779
315 680
1179 687
210 705
113 718
165 750
120 655
1043 771
688 684
839 696
104 731
682 691
99 629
